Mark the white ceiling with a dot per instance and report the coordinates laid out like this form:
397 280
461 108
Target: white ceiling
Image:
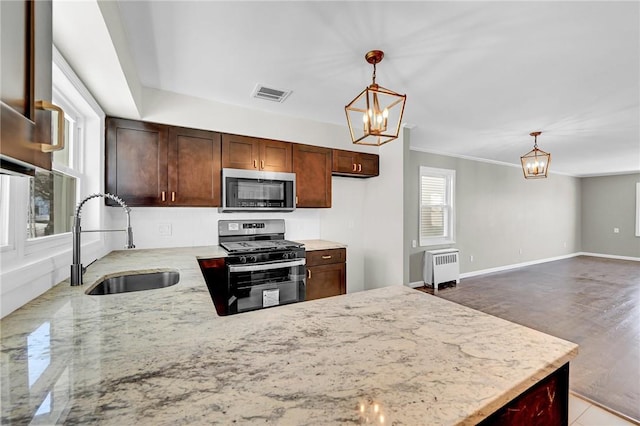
479 76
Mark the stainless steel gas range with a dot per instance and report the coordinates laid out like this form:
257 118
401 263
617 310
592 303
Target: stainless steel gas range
262 269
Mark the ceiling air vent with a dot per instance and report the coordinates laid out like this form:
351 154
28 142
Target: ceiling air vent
269 93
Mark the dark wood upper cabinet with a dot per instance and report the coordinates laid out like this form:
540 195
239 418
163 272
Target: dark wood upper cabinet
356 164
25 70
195 163
312 166
152 164
137 160
245 152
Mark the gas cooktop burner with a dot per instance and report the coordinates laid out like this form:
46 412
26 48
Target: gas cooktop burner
260 245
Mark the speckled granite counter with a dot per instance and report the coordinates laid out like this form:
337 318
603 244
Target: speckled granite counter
311 245
164 356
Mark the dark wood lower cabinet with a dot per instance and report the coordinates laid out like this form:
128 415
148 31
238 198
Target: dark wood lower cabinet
326 273
544 404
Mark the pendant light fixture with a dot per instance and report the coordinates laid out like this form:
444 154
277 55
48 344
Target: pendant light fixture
374 116
535 163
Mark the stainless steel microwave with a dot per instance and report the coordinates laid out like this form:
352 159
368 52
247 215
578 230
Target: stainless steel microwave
253 190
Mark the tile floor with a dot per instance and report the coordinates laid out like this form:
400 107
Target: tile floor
583 413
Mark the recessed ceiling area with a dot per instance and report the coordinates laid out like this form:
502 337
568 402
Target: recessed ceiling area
479 76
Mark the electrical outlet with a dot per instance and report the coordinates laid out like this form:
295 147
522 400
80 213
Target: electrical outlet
164 229
616 230
520 251
471 258
414 244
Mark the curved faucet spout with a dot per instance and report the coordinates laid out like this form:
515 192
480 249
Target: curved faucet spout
76 267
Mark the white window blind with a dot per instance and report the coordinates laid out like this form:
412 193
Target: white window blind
436 206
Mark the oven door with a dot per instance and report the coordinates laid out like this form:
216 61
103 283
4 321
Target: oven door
263 285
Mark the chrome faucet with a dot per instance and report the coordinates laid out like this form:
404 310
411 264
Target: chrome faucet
76 267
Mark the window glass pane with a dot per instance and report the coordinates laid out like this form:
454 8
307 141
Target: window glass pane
432 222
433 190
4 210
51 203
63 157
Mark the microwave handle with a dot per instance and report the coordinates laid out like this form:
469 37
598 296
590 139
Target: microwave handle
265 267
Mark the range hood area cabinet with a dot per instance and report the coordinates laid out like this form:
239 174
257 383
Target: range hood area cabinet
355 164
245 152
150 164
25 67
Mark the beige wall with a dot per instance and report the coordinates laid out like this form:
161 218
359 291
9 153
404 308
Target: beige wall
501 218
609 202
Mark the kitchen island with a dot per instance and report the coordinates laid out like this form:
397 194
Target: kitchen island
392 355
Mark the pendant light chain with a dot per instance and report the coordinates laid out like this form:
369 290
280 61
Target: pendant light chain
374 73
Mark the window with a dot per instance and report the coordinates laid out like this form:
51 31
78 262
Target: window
52 195
638 209
437 212
5 214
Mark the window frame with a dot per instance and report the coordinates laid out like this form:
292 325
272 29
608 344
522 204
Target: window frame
449 236
49 242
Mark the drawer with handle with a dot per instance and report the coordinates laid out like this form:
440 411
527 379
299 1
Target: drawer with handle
324 257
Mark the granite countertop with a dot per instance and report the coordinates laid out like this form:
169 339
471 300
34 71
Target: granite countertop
311 245
164 357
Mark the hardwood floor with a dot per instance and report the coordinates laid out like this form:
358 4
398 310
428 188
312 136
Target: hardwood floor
594 302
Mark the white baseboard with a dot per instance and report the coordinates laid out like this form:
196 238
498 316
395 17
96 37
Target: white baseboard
529 263
610 256
517 265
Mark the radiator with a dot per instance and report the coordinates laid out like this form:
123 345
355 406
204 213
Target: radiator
441 266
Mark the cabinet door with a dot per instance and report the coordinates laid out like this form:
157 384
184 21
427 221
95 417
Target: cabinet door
25 70
312 166
325 281
275 156
194 167
344 161
368 164
136 167
240 152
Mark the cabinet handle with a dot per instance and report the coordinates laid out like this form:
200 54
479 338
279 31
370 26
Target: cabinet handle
173 196
326 257
359 167
262 164
309 274
59 145
255 164
296 200
354 167
163 196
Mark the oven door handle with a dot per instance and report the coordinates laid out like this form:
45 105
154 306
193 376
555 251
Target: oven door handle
266 266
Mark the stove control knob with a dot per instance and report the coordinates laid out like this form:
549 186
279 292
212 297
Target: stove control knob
242 259
286 255
252 258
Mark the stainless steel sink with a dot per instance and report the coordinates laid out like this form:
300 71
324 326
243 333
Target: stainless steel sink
135 282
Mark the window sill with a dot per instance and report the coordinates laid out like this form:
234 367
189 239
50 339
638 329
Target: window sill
436 242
